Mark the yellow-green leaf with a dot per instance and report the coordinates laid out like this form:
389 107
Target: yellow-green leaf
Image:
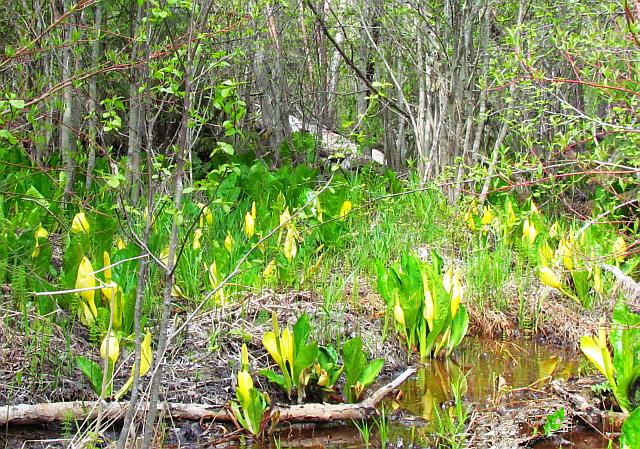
80 225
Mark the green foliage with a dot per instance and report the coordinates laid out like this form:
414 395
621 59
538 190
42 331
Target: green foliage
625 341
327 369
570 255
382 424
426 304
359 373
364 429
304 147
251 407
451 422
554 422
293 353
623 372
302 361
630 438
93 372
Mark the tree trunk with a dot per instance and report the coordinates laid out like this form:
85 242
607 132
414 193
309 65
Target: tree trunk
93 96
334 73
67 145
270 78
504 128
135 116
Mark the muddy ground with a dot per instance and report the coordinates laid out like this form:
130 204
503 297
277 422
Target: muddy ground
37 366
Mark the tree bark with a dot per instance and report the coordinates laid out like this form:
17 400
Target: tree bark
314 412
334 74
270 78
66 131
135 116
93 96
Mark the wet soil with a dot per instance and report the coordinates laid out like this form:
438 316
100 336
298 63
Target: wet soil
507 381
507 393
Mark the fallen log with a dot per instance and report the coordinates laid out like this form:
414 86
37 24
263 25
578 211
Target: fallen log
79 410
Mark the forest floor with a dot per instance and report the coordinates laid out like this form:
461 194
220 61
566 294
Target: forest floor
204 358
37 366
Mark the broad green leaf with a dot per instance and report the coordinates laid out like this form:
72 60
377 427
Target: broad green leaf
93 371
17 104
353 359
227 148
301 331
625 340
6 135
305 357
327 357
274 377
459 327
37 197
631 431
371 371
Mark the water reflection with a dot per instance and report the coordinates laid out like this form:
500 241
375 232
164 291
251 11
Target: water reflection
488 372
491 369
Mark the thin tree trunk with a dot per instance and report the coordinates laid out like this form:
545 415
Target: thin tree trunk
66 135
334 73
363 55
270 77
134 122
421 131
401 145
305 39
137 314
93 96
183 146
505 124
321 113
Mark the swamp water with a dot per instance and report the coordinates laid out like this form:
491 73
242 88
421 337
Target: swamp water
489 373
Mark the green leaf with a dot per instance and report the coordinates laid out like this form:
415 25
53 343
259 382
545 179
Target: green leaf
582 285
235 409
371 371
305 358
554 422
459 327
6 135
625 340
384 283
275 378
33 193
631 431
227 148
113 181
17 104
353 359
301 331
327 357
93 371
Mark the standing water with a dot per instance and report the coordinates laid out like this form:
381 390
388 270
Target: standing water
488 374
